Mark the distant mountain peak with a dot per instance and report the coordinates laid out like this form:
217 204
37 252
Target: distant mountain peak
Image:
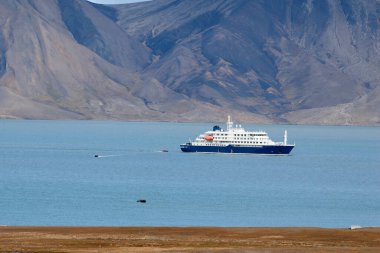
263 61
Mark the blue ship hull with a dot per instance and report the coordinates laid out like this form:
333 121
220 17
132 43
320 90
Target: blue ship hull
264 150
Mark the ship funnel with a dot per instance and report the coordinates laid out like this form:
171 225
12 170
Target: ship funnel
229 123
285 138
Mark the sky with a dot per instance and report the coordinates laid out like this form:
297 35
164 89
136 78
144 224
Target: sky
115 1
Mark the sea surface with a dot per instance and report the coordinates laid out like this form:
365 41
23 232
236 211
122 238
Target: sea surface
49 175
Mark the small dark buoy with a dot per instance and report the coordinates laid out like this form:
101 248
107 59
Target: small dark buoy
141 201
96 155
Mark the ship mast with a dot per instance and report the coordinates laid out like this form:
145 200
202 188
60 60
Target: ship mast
286 138
229 123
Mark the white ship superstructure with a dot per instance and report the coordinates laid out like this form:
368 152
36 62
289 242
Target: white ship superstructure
236 140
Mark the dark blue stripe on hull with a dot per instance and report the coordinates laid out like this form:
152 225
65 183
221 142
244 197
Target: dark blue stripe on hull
269 150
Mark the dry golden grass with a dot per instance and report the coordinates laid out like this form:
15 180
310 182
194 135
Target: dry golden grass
191 239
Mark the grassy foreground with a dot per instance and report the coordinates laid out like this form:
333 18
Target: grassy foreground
187 239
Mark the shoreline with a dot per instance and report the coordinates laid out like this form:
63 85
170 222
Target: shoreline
189 122
188 239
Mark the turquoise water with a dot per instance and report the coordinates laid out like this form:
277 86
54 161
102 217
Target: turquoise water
49 176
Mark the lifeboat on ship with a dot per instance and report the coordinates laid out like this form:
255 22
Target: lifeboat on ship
208 137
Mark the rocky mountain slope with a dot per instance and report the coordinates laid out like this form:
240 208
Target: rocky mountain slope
313 62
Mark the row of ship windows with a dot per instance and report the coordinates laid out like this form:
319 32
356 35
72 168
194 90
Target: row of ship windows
250 134
241 134
225 138
243 142
235 142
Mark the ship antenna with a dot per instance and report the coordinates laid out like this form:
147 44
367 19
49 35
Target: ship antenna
229 123
285 138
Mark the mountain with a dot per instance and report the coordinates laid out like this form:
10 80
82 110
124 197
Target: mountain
290 61
66 60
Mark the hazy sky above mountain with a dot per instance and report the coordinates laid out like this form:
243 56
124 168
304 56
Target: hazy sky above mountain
115 1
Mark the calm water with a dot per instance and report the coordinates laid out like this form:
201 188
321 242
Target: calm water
49 176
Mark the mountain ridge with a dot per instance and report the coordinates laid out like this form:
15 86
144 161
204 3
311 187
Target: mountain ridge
297 62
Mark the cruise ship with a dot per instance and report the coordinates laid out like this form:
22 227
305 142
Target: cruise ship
237 140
